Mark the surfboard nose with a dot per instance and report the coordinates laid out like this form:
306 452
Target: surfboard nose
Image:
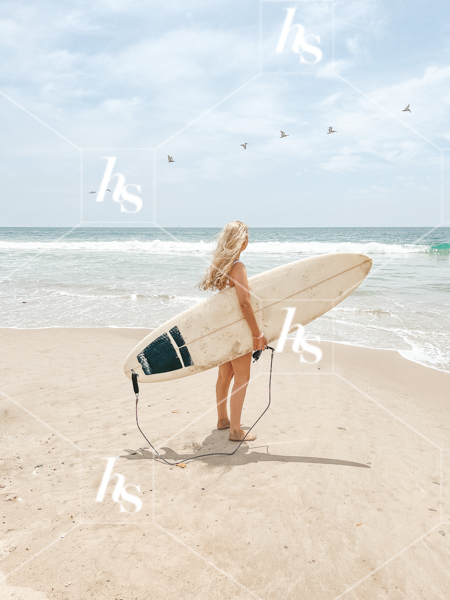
366 263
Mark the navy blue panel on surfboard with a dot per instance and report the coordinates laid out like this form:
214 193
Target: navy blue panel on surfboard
187 360
176 334
159 357
179 340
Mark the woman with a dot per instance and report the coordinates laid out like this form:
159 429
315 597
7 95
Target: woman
226 270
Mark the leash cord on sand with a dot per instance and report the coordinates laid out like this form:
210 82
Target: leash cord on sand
134 378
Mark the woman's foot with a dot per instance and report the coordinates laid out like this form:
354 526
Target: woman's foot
237 435
223 424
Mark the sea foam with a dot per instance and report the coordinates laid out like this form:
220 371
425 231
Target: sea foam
175 247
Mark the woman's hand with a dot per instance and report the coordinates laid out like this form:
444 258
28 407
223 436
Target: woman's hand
259 342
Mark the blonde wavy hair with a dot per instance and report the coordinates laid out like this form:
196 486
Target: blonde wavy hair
229 244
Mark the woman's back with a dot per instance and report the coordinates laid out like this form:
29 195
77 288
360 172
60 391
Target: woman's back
231 283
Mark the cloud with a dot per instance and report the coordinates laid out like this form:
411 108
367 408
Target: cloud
121 106
329 70
346 160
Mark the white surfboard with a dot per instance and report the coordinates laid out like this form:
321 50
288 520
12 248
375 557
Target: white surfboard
215 331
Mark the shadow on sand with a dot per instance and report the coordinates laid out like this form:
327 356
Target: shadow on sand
218 442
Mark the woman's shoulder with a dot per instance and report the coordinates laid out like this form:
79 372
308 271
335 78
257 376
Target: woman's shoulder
237 267
238 262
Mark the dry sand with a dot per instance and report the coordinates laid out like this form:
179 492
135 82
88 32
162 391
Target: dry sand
345 494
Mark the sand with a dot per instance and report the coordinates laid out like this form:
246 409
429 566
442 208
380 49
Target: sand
345 493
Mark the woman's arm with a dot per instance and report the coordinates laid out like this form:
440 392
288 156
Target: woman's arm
239 276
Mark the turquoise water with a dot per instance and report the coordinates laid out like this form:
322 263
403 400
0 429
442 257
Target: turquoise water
141 277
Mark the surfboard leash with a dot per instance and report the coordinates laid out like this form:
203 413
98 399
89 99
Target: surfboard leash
134 379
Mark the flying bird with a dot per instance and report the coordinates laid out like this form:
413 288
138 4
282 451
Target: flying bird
170 158
92 192
244 145
407 109
331 130
283 134
108 190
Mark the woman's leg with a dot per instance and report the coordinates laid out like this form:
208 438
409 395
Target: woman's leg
222 386
241 368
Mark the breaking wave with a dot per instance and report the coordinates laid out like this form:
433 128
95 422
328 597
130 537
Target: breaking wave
181 248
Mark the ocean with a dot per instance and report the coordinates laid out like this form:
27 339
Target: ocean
140 277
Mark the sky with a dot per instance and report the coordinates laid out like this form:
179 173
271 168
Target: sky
113 87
